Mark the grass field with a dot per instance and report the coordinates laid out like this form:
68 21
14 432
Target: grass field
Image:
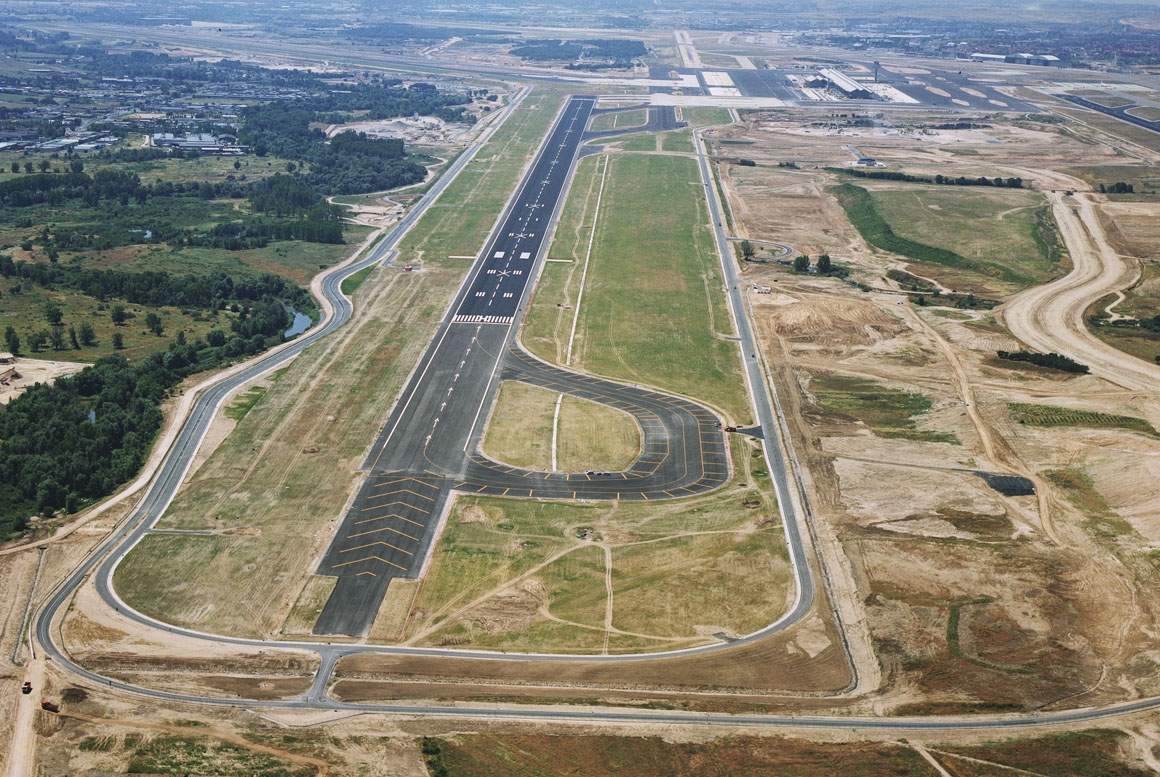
549 319
887 412
992 232
680 141
589 435
653 289
611 121
527 575
705 117
301 443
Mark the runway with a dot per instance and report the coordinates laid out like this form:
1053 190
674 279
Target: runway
428 448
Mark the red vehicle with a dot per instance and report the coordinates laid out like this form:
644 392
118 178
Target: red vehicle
26 688
47 705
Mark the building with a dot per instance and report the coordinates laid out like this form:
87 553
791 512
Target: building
199 141
848 87
1042 60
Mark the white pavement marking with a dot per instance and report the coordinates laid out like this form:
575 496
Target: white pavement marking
587 255
556 429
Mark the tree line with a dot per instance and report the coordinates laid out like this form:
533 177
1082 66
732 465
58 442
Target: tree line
1052 361
942 180
213 291
80 438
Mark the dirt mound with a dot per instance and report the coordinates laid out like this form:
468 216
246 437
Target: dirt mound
513 609
844 322
472 514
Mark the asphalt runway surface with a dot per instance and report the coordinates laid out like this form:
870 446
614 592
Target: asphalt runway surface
427 449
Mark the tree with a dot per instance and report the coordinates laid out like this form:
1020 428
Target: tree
53 314
12 341
215 337
119 315
824 264
153 323
44 164
237 164
56 337
88 336
72 338
118 341
180 337
801 263
15 167
77 166
36 340
28 168
747 250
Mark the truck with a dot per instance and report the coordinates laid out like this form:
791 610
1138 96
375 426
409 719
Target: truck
50 706
26 688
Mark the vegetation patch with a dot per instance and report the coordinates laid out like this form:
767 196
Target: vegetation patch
352 282
679 571
887 412
619 120
244 402
653 306
178 755
1007 253
1052 361
1048 415
1093 753
611 756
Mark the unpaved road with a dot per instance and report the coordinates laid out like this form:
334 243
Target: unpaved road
22 755
1050 318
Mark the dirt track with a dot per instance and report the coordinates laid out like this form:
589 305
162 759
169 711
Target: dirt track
1050 317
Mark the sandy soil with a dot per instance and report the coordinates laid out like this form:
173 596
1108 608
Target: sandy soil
1050 317
32 371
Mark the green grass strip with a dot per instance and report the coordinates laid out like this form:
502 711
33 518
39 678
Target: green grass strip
1048 415
353 282
859 206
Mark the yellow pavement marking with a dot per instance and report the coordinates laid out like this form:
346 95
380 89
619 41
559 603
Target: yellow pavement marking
380 542
390 515
369 558
385 528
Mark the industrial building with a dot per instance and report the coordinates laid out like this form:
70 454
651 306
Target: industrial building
199 141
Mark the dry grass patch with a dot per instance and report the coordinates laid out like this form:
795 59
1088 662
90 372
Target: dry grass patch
311 599
279 482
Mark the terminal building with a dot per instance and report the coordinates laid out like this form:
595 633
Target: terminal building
849 88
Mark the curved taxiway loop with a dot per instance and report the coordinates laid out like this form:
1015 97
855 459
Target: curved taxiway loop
683 449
